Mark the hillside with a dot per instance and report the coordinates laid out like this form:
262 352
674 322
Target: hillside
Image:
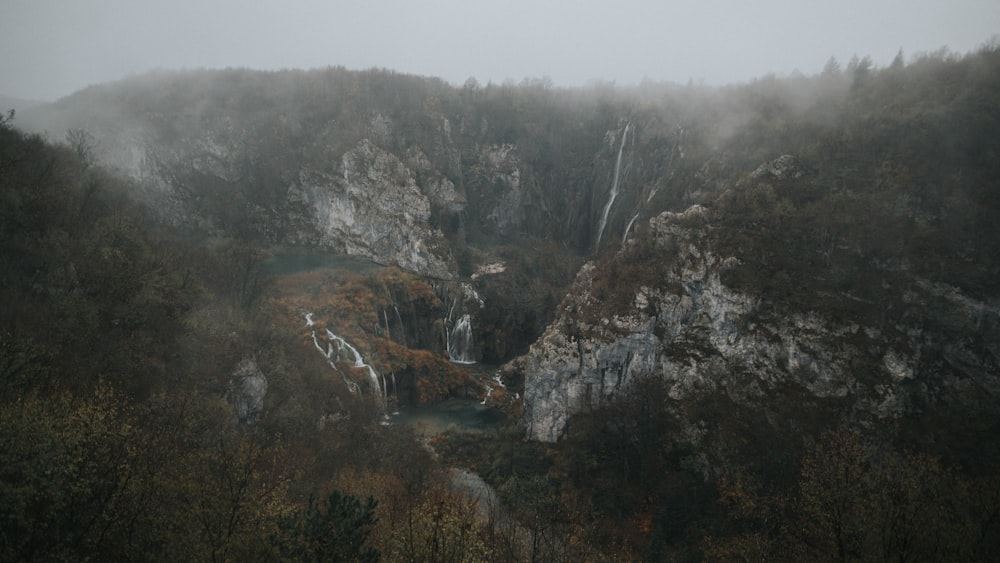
694 300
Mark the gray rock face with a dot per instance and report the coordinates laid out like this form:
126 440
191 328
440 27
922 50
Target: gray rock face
371 207
247 389
697 334
501 179
785 166
375 209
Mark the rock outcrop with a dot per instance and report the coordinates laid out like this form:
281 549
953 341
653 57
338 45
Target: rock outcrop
247 388
697 334
375 209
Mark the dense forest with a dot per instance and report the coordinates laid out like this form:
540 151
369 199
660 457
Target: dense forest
129 321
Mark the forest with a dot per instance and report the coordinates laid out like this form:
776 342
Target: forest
123 331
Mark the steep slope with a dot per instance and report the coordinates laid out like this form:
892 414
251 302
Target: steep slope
680 322
843 240
860 271
400 169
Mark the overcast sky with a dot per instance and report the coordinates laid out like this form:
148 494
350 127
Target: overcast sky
51 48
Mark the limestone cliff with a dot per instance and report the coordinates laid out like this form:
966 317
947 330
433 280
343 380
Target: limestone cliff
697 334
374 209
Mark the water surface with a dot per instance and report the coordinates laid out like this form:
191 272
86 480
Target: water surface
466 415
295 261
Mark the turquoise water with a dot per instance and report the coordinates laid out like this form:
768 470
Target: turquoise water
458 414
298 261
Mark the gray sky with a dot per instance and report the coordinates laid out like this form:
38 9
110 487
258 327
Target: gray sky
51 48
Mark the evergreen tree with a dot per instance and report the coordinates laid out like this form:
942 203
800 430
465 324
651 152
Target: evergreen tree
334 531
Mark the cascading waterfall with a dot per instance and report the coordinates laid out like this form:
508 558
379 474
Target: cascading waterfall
498 379
378 389
328 354
460 341
614 188
360 363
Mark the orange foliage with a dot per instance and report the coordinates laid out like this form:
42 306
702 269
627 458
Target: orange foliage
349 304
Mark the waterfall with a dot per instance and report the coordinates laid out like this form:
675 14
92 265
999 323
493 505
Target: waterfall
385 396
676 149
628 228
395 392
460 341
359 362
385 317
614 188
402 329
330 354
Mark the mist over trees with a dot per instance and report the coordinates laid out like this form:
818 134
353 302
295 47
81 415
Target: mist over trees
121 328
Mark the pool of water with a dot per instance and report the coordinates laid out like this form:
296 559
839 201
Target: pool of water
295 261
458 414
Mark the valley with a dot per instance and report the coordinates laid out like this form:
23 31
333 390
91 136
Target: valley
660 323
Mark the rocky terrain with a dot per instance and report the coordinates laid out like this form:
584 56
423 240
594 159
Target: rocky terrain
716 260
699 335
757 322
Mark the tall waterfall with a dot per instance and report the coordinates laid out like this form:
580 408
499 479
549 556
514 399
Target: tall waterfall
460 341
614 188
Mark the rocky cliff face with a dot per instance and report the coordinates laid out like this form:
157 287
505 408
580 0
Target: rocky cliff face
363 184
374 209
698 335
370 164
247 389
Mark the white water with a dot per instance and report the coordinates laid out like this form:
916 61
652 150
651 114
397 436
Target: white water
328 354
385 395
402 330
460 341
378 389
614 188
677 149
628 228
395 392
359 362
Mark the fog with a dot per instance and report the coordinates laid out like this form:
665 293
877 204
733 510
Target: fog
52 48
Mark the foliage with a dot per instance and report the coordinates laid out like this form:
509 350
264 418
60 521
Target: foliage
119 334
335 531
66 479
857 503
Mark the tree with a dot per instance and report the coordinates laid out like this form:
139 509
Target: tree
337 530
897 62
82 143
70 479
831 68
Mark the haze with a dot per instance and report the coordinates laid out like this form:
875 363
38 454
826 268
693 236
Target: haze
52 48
